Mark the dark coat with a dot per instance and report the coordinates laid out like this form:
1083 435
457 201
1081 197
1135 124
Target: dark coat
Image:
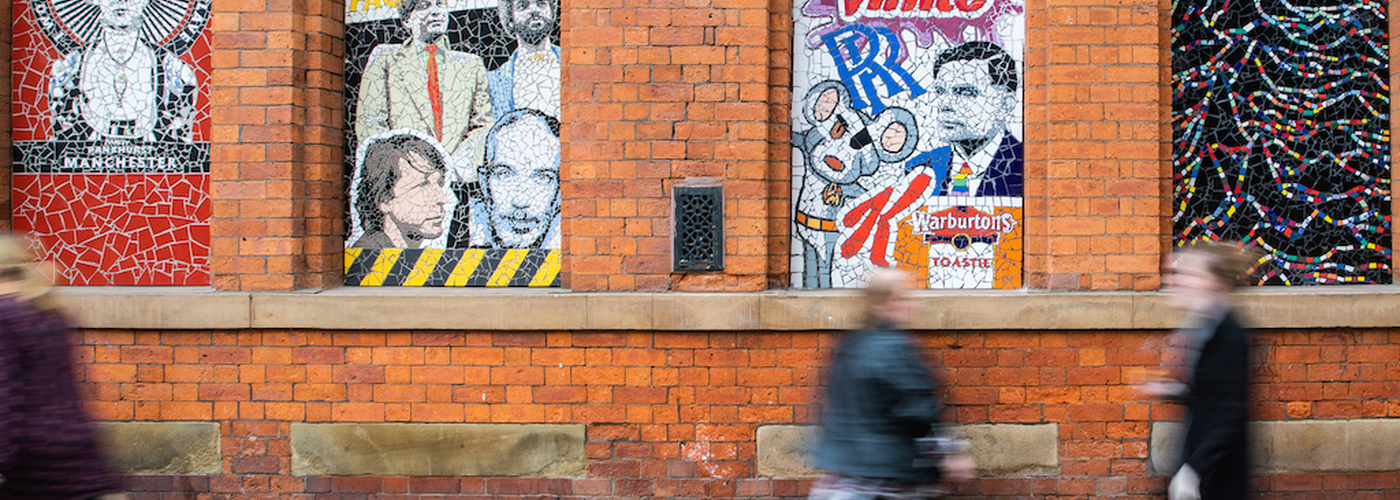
1216 433
879 399
48 447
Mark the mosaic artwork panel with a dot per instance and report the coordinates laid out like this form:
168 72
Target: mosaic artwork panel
906 136
1281 135
111 125
453 109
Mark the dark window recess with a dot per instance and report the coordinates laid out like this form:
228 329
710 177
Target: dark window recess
699 233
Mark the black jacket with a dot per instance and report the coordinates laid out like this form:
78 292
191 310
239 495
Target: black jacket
1217 408
879 399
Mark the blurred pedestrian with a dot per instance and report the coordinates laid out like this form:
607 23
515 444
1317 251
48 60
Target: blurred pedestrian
1213 378
48 448
880 427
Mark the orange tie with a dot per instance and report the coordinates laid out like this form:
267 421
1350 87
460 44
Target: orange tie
434 93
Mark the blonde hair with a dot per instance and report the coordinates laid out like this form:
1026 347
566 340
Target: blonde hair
886 283
17 268
1230 263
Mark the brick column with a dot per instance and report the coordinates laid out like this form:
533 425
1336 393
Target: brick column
1097 150
654 93
276 174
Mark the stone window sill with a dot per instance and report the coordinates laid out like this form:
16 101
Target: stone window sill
176 308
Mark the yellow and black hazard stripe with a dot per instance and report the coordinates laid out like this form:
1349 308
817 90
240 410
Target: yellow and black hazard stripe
474 267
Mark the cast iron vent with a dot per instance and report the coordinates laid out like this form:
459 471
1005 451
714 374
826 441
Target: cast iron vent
699 232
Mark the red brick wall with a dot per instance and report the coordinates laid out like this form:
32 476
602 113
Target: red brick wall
1097 133
655 93
674 414
276 162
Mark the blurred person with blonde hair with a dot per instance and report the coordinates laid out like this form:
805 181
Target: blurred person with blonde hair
880 426
48 446
1213 376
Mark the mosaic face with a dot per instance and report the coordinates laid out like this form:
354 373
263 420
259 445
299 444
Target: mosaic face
400 197
448 73
120 14
428 20
112 159
911 155
1280 121
522 183
970 107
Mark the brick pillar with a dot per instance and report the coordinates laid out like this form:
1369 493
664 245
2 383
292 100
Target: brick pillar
780 40
654 93
275 168
1097 153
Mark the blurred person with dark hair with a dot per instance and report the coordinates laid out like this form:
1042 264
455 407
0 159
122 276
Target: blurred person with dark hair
1213 379
48 446
881 409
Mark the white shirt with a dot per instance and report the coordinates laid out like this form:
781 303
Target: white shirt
978 162
537 82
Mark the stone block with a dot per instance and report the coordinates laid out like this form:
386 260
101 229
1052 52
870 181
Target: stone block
1299 446
403 449
1015 449
162 447
1001 450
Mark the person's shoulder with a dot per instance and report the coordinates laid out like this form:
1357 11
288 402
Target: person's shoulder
468 59
383 53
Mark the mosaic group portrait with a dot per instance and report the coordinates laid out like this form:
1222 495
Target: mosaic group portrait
475 86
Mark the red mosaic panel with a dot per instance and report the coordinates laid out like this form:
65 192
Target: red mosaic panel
111 124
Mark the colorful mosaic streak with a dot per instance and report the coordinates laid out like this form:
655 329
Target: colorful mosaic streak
1280 119
452 267
453 109
111 126
907 141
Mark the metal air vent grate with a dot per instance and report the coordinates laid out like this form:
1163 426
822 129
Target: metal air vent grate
698 238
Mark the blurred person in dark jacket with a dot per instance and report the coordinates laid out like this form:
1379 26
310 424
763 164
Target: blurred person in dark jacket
881 408
48 448
1213 378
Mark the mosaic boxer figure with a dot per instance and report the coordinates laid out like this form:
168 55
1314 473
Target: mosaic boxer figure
120 86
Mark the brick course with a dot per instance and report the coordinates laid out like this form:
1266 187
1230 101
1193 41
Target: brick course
675 414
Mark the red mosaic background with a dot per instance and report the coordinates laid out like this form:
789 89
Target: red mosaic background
118 229
108 229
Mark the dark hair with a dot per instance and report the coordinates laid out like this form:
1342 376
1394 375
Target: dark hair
1000 66
380 171
505 9
407 7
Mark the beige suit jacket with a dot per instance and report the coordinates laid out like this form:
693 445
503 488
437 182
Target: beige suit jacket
394 95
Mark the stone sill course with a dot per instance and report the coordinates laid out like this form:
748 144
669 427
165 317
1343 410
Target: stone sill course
398 309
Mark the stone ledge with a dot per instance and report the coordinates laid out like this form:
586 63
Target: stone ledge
162 447
456 309
1299 446
509 450
1000 450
